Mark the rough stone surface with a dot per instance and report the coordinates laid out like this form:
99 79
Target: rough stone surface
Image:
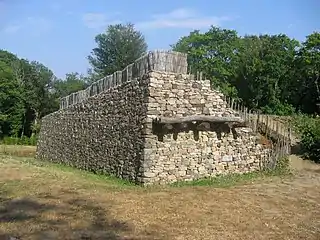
113 131
103 133
189 155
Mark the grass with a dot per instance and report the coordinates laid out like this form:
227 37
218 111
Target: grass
229 180
48 201
18 150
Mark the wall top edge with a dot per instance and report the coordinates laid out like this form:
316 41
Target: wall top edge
156 60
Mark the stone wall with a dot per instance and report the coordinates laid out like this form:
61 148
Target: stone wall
101 128
109 127
189 154
103 133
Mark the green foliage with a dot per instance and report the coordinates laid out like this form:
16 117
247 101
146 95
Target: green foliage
24 140
214 53
72 83
307 83
278 108
309 129
118 47
273 73
282 167
29 91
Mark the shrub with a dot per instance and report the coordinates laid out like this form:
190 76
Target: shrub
309 130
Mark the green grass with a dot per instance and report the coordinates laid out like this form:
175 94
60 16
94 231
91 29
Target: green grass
100 177
220 181
229 180
86 176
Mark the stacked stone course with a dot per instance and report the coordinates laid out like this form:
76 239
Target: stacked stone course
111 130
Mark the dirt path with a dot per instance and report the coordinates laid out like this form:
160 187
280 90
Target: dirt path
300 165
45 202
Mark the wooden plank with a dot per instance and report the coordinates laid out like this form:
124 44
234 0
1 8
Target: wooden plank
202 118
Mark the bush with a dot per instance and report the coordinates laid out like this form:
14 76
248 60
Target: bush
19 141
309 130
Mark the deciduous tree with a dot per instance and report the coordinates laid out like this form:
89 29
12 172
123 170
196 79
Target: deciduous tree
118 47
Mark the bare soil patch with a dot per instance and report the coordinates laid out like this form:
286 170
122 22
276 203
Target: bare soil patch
39 201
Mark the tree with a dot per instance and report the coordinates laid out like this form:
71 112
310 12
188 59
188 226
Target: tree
73 82
118 47
265 73
308 74
258 70
214 53
11 102
25 94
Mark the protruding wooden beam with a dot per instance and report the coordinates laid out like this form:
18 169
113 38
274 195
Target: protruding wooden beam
237 124
203 126
198 118
167 127
183 125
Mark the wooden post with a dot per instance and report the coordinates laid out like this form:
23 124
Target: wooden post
258 119
267 124
245 114
277 130
289 141
243 111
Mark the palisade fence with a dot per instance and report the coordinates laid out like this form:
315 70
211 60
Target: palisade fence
277 132
159 60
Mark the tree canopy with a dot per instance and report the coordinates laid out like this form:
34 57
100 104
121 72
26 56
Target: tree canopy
118 47
273 73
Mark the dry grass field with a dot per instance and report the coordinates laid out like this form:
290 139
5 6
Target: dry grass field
47 201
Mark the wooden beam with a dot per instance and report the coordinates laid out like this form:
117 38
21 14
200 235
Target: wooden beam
198 118
184 125
203 126
237 124
167 126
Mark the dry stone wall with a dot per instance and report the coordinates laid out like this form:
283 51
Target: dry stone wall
101 128
189 155
109 127
101 134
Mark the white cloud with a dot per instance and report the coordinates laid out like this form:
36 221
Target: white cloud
98 20
33 25
182 18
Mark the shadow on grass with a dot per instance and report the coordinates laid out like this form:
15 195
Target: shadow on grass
68 217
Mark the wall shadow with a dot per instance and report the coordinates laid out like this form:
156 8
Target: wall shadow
32 214
219 128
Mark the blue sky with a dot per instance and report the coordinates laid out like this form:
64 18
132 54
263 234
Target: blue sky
60 33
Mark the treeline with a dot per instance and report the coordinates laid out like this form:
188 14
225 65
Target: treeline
272 73
29 91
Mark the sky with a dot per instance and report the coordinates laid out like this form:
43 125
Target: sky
60 33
